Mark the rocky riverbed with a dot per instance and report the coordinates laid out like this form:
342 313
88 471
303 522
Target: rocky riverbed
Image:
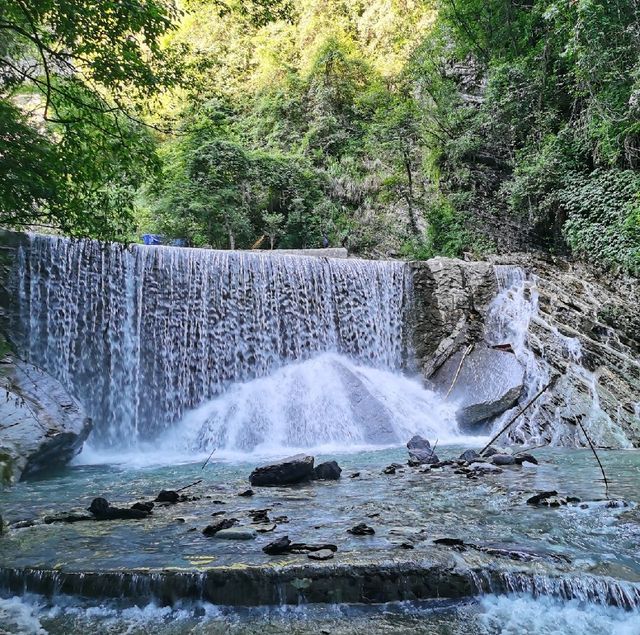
437 531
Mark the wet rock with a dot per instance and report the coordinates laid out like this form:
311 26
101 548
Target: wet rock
43 426
214 528
23 524
614 504
281 519
528 458
303 547
144 507
456 543
406 545
66 517
537 499
484 468
236 533
490 451
503 459
422 457
391 469
247 493
418 443
354 475
490 381
167 496
220 513
361 529
329 471
102 510
293 469
518 552
259 515
263 529
278 547
322 554
469 456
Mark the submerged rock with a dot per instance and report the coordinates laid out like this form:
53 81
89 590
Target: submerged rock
361 529
537 499
246 493
293 469
214 528
503 459
145 507
328 471
66 517
322 554
236 533
168 496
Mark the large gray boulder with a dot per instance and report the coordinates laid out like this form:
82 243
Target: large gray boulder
41 425
490 381
293 469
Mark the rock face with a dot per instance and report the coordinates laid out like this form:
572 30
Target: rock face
293 469
42 426
490 381
451 301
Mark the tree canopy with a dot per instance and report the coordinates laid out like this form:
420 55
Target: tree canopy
397 127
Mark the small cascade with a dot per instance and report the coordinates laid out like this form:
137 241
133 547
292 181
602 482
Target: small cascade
143 334
514 319
585 588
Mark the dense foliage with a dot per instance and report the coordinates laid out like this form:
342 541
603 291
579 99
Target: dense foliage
74 76
396 127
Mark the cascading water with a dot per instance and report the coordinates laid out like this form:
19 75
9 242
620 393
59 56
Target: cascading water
509 321
142 335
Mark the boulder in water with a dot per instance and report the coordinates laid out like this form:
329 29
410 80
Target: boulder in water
422 457
490 381
322 554
503 459
278 547
236 533
469 456
293 469
417 442
168 496
214 528
102 510
361 530
328 471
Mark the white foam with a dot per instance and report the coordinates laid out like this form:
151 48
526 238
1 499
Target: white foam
325 405
522 615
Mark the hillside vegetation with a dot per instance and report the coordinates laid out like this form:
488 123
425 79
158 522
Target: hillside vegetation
394 127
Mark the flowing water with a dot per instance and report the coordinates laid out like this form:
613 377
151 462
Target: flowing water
143 334
177 352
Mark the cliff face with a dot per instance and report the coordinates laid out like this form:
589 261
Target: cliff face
560 319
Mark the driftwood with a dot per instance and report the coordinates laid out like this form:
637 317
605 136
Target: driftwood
190 485
521 411
208 459
593 449
455 377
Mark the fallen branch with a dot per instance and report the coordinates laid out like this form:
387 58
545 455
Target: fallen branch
455 377
190 485
208 459
593 449
521 411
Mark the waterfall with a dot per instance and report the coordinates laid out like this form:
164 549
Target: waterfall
142 334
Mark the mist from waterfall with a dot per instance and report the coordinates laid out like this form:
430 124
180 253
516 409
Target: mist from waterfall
145 335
